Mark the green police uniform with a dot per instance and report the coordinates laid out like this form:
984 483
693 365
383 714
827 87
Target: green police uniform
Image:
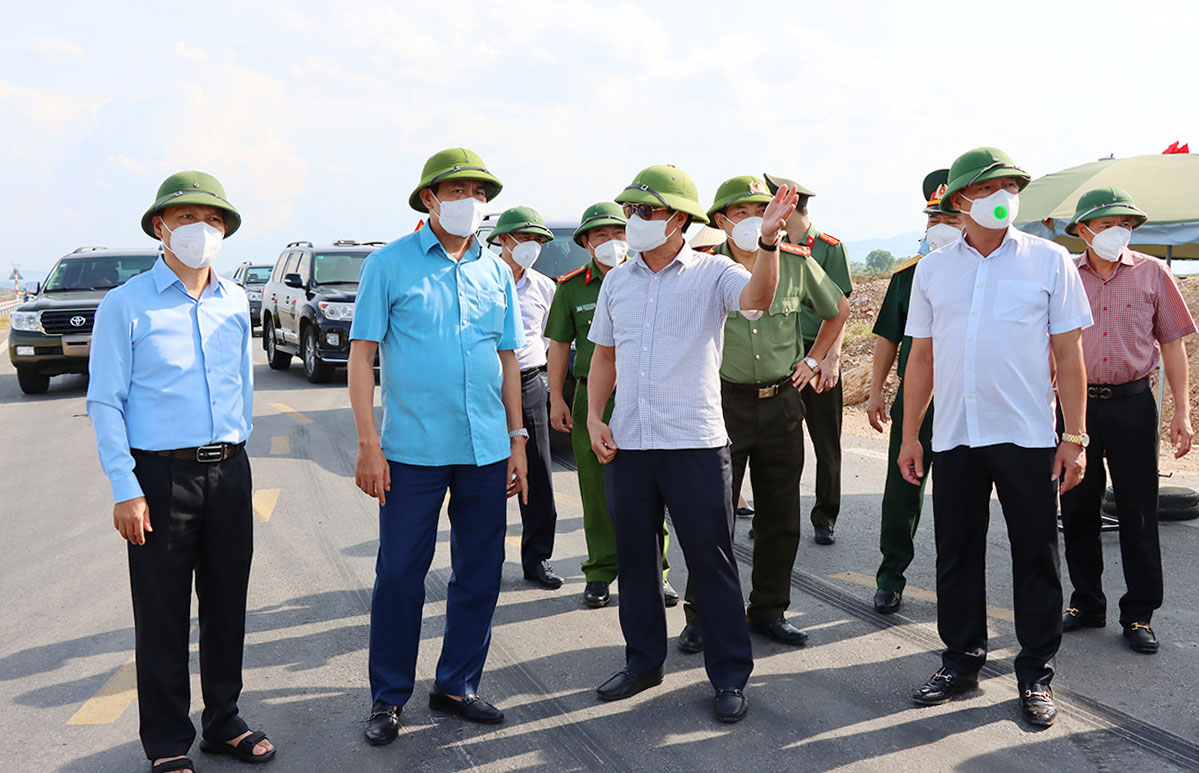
569 320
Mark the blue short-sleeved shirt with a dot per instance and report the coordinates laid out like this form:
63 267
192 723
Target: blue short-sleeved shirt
440 325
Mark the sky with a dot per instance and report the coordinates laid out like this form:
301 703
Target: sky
317 117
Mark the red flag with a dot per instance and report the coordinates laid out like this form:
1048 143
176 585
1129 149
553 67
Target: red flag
421 223
1176 147
1184 148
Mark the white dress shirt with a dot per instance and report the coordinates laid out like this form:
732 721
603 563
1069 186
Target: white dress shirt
534 293
990 320
668 330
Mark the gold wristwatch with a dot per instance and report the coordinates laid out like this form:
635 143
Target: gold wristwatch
1083 440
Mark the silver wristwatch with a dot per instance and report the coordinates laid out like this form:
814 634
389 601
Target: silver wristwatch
521 432
811 363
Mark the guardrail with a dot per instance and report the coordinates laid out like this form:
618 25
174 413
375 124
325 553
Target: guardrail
7 307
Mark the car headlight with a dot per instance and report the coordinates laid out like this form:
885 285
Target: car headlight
254 295
341 311
24 320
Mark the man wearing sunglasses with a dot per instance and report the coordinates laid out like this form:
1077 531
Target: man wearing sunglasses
992 310
764 368
658 328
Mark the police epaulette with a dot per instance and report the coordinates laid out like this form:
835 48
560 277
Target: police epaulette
797 249
709 250
830 239
906 264
571 274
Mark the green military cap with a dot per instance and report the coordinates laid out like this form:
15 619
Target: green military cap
454 164
739 190
191 188
934 190
980 165
1108 201
520 220
773 181
664 186
597 215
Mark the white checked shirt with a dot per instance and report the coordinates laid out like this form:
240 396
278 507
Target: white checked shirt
990 320
534 293
668 330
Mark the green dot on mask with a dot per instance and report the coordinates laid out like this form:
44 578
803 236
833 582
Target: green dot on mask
1001 212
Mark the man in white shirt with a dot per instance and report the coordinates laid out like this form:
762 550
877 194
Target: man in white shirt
520 232
992 310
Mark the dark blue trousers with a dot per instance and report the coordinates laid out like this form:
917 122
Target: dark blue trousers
407 536
696 484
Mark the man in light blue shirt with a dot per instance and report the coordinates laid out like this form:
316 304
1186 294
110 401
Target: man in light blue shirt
171 399
442 314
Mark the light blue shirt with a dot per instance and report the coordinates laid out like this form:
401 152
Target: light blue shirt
168 370
440 324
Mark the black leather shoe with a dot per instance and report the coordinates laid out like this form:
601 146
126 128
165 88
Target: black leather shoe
745 512
626 684
472 708
543 574
731 705
596 594
1141 638
383 724
943 686
1036 704
781 631
691 639
824 535
1073 620
670 596
886 602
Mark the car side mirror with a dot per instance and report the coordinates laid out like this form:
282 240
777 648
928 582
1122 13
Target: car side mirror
292 280
33 287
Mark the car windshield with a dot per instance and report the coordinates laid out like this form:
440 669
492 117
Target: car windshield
257 275
559 256
338 267
96 273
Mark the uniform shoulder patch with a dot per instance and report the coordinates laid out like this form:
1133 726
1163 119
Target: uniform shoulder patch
796 249
571 274
906 264
709 250
830 239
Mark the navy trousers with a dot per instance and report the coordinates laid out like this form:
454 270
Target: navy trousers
407 536
696 484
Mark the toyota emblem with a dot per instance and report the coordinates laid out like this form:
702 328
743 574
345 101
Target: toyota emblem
78 321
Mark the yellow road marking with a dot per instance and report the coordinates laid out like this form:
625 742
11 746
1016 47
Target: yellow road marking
513 541
111 700
920 594
280 445
264 503
292 412
567 499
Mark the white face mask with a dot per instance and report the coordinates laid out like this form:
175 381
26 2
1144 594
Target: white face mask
995 211
746 233
939 235
524 254
1109 243
195 244
461 217
646 235
611 252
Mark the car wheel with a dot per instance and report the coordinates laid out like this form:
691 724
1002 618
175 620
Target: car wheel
318 372
276 359
32 382
1174 503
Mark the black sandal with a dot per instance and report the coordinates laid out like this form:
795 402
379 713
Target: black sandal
244 750
183 763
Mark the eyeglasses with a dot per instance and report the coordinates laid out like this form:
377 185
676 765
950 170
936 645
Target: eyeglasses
643 211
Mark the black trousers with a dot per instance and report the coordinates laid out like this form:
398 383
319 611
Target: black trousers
767 433
540 516
1123 429
696 485
822 414
202 520
962 486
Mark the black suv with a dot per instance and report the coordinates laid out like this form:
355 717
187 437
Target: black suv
308 305
52 333
252 278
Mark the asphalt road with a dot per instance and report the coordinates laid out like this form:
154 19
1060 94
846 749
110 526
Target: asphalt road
67 692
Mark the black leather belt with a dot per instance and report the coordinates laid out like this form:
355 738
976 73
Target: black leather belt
213 452
582 380
760 391
530 374
1111 391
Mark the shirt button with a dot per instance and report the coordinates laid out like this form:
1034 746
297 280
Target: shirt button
755 331
1105 333
971 338
969 397
757 356
651 300
645 348
975 312
1105 359
979 286
1105 308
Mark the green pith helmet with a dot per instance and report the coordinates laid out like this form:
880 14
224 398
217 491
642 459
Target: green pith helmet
454 164
1108 201
976 166
520 220
665 186
739 190
773 181
191 188
598 215
935 184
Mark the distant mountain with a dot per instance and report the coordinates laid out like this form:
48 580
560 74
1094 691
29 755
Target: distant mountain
901 246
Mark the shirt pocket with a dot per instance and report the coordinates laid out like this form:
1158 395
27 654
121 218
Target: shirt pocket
230 340
784 306
486 311
1019 300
